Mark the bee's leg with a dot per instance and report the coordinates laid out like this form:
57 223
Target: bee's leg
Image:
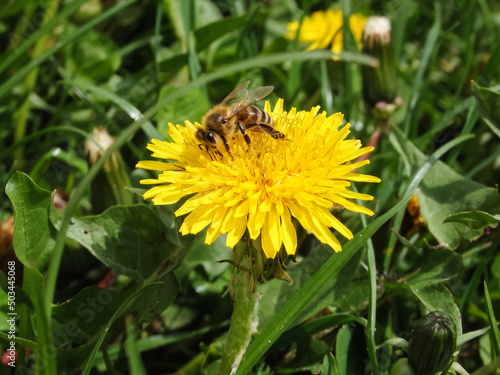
272 132
209 152
269 130
244 132
227 146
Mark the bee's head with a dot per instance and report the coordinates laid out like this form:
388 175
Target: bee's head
207 137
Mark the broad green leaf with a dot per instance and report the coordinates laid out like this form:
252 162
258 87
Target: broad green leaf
205 13
96 56
131 240
466 337
444 192
84 315
34 236
62 162
426 282
437 266
436 297
488 102
472 224
178 316
153 301
211 258
191 106
350 350
21 296
329 365
205 35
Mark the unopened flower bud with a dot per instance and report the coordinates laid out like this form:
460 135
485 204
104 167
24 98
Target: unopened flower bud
110 186
87 12
432 343
380 83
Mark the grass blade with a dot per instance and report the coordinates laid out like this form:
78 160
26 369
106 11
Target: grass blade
7 87
429 45
63 15
493 322
133 112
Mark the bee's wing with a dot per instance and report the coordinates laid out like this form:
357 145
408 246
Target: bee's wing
252 97
237 94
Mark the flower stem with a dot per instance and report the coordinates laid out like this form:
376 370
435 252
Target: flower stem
243 320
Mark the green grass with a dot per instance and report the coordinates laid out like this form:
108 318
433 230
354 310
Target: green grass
132 67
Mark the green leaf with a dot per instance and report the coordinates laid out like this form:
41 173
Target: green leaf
131 240
206 35
191 106
181 22
21 296
488 102
426 282
96 56
436 297
34 236
85 314
153 301
444 192
471 224
462 339
329 365
438 265
350 350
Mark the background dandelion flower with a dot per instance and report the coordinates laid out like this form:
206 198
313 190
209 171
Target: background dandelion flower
323 29
265 184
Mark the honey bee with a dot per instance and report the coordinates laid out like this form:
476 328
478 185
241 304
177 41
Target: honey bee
224 120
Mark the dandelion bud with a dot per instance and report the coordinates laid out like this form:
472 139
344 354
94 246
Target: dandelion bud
432 343
110 186
379 84
87 12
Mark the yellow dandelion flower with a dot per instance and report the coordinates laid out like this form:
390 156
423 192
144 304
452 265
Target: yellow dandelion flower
264 185
324 28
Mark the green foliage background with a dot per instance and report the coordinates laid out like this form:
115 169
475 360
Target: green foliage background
109 286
